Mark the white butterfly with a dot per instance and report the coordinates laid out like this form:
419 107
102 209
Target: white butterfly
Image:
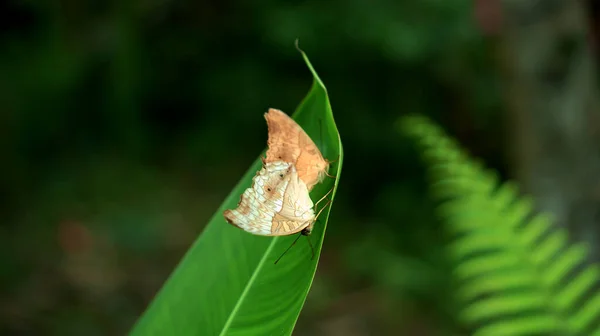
277 203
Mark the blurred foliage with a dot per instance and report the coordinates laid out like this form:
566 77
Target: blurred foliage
517 273
119 120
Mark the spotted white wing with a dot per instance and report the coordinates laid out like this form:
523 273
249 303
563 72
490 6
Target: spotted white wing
259 203
276 204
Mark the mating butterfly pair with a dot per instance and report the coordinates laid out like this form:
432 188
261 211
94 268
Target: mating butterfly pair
278 202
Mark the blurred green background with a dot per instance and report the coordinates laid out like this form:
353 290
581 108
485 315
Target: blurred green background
124 124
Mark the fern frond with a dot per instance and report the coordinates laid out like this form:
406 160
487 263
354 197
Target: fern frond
517 273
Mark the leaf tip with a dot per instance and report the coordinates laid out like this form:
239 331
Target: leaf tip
309 65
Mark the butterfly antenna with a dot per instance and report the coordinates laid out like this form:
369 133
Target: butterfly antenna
286 251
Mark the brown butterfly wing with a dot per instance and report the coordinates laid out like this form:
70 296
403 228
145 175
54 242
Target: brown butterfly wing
288 142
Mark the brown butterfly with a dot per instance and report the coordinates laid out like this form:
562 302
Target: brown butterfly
278 202
289 143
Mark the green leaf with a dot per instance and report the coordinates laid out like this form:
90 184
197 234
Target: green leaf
227 283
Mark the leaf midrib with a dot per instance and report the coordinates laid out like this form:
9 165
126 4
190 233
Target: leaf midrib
247 288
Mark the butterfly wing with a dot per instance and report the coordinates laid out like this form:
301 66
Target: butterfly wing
277 203
297 211
259 203
288 142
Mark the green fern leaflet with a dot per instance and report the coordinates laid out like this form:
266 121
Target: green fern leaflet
517 273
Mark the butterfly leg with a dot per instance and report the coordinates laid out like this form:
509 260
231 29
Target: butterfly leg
322 198
330 176
336 160
323 208
308 230
330 162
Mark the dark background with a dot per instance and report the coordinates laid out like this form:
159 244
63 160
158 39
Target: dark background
124 124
